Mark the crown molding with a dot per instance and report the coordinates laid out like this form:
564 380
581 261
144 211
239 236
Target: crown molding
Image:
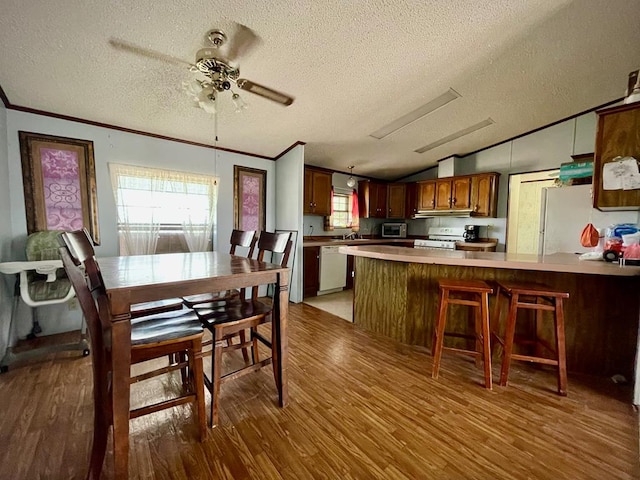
287 150
69 118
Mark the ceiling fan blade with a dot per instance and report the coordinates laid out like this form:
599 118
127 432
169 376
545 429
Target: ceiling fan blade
241 42
265 92
145 52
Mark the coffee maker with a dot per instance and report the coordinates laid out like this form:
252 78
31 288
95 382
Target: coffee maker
471 233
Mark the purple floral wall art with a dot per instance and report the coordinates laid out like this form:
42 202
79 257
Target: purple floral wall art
62 197
59 184
249 198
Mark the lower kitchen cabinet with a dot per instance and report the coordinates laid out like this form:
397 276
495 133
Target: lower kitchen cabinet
311 263
350 272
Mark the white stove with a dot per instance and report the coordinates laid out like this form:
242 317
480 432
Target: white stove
441 238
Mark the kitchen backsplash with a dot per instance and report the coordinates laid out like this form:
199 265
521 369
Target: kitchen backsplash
314 225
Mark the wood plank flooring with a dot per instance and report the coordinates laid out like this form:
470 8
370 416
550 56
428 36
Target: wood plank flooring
362 407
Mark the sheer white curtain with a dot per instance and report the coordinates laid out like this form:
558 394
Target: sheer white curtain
148 198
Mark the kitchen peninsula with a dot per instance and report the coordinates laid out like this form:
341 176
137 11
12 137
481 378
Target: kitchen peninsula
396 295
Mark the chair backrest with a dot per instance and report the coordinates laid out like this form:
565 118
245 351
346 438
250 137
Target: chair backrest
85 296
243 238
81 252
275 243
278 243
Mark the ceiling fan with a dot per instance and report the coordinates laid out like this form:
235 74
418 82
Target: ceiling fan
215 68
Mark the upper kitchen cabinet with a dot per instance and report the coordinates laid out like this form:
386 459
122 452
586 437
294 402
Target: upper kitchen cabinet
453 193
396 200
372 198
411 197
618 135
317 192
484 194
426 195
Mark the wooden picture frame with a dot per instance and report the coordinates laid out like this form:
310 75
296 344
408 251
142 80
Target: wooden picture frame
249 198
59 180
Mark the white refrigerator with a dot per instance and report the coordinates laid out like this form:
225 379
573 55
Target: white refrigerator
564 214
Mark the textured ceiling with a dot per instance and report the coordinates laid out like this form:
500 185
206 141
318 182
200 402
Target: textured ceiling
353 67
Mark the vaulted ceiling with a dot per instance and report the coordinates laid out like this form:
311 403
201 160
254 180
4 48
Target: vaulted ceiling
352 66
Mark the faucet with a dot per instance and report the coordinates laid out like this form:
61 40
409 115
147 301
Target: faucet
351 235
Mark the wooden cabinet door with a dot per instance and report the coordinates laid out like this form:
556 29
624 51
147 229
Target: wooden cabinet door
311 264
322 193
411 204
427 195
618 134
350 272
317 192
443 194
380 196
308 192
484 195
461 193
396 200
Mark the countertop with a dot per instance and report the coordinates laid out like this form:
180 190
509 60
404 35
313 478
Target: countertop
358 241
558 262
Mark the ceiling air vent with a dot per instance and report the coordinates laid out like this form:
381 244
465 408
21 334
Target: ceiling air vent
456 135
420 112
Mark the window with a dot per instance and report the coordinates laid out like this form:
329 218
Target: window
341 211
160 205
345 211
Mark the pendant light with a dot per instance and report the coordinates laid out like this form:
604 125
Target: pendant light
351 182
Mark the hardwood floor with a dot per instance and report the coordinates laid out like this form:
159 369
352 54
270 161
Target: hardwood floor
362 407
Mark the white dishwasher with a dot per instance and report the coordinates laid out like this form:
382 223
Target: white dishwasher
333 270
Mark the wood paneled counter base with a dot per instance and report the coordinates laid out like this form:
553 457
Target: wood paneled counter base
396 294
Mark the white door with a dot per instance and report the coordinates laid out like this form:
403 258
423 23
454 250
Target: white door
523 218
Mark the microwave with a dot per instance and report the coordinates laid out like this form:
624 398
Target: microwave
394 230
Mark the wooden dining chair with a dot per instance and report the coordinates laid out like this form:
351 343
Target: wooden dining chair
152 337
225 318
239 238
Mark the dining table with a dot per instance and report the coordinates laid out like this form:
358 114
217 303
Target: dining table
146 278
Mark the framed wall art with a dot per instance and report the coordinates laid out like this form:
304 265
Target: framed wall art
249 198
59 184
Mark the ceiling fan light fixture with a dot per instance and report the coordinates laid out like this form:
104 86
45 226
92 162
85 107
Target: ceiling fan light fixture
239 103
207 100
351 182
193 88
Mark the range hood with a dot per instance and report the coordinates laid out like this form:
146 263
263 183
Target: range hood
463 213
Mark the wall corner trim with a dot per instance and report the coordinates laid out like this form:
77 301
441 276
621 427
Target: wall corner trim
3 97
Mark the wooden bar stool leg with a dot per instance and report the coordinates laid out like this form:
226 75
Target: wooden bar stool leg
508 339
478 315
486 342
439 332
495 321
560 348
538 349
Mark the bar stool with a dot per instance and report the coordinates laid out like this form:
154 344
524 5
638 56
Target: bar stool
540 298
473 293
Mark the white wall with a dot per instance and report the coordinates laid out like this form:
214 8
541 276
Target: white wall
121 147
290 181
5 232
